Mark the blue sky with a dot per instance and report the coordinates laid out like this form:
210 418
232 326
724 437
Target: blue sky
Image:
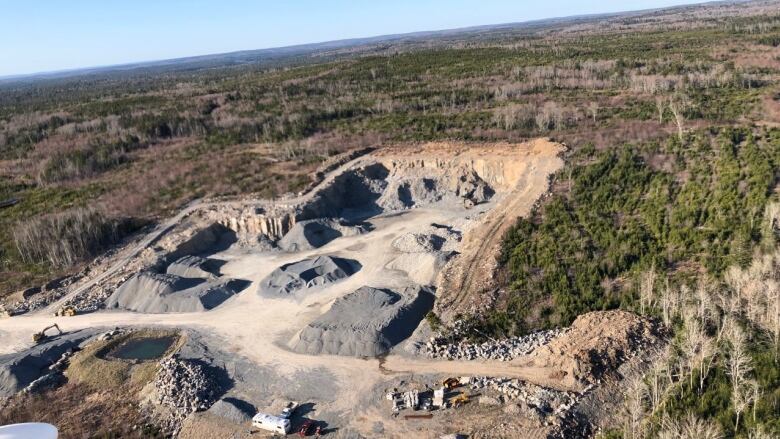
41 35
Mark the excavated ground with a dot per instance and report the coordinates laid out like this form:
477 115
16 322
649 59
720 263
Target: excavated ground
333 277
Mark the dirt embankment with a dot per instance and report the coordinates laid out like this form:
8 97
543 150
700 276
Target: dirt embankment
522 173
595 346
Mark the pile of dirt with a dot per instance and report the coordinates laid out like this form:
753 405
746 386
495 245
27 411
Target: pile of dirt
596 344
305 274
365 323
312 234
149 292
19 369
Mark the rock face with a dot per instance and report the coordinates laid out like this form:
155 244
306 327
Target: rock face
365 323
149 292
209 240
305 274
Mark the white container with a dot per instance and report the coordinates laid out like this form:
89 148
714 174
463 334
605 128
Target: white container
271 423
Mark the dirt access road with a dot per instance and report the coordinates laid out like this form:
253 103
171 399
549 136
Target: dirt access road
471 274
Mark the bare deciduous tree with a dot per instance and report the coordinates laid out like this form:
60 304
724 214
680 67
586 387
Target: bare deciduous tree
646 289
738 367
678 103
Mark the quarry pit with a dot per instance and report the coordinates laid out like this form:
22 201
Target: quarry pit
321 296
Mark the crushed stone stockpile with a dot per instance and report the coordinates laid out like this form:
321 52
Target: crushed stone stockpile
195 267
436 238
305 274
312 234
365 323
149 292
234 410
19 369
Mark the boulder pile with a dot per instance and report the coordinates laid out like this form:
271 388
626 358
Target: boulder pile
184 386
540 405
502 350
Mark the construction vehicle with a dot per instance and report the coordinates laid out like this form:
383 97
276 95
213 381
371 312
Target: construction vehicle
66 311
450 383
41 336
459 400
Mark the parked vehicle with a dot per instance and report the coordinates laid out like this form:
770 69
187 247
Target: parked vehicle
305 428
271 423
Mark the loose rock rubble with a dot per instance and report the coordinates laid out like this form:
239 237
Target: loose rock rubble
184 387
548 405
53 378
503 350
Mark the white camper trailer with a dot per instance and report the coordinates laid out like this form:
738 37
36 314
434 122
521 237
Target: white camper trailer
271 423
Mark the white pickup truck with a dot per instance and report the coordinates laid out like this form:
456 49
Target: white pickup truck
288 410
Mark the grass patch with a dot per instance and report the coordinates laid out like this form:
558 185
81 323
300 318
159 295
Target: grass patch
92 367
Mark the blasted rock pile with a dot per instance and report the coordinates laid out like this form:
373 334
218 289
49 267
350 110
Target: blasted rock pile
502 350
545 406
184 387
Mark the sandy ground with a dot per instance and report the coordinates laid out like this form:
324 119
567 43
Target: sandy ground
259 328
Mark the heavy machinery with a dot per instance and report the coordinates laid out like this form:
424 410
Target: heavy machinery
67 311
450 383
41 336
459 400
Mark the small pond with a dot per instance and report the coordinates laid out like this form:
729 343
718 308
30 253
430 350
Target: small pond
149 348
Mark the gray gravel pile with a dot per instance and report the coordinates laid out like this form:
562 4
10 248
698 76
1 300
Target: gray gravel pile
233 410
365 323
503 350
305 274
149 292
185 387
194 267
312 234
53 377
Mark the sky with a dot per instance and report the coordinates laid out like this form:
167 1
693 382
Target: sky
50 35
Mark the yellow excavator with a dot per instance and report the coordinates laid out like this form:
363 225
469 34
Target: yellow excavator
41 336
459 400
